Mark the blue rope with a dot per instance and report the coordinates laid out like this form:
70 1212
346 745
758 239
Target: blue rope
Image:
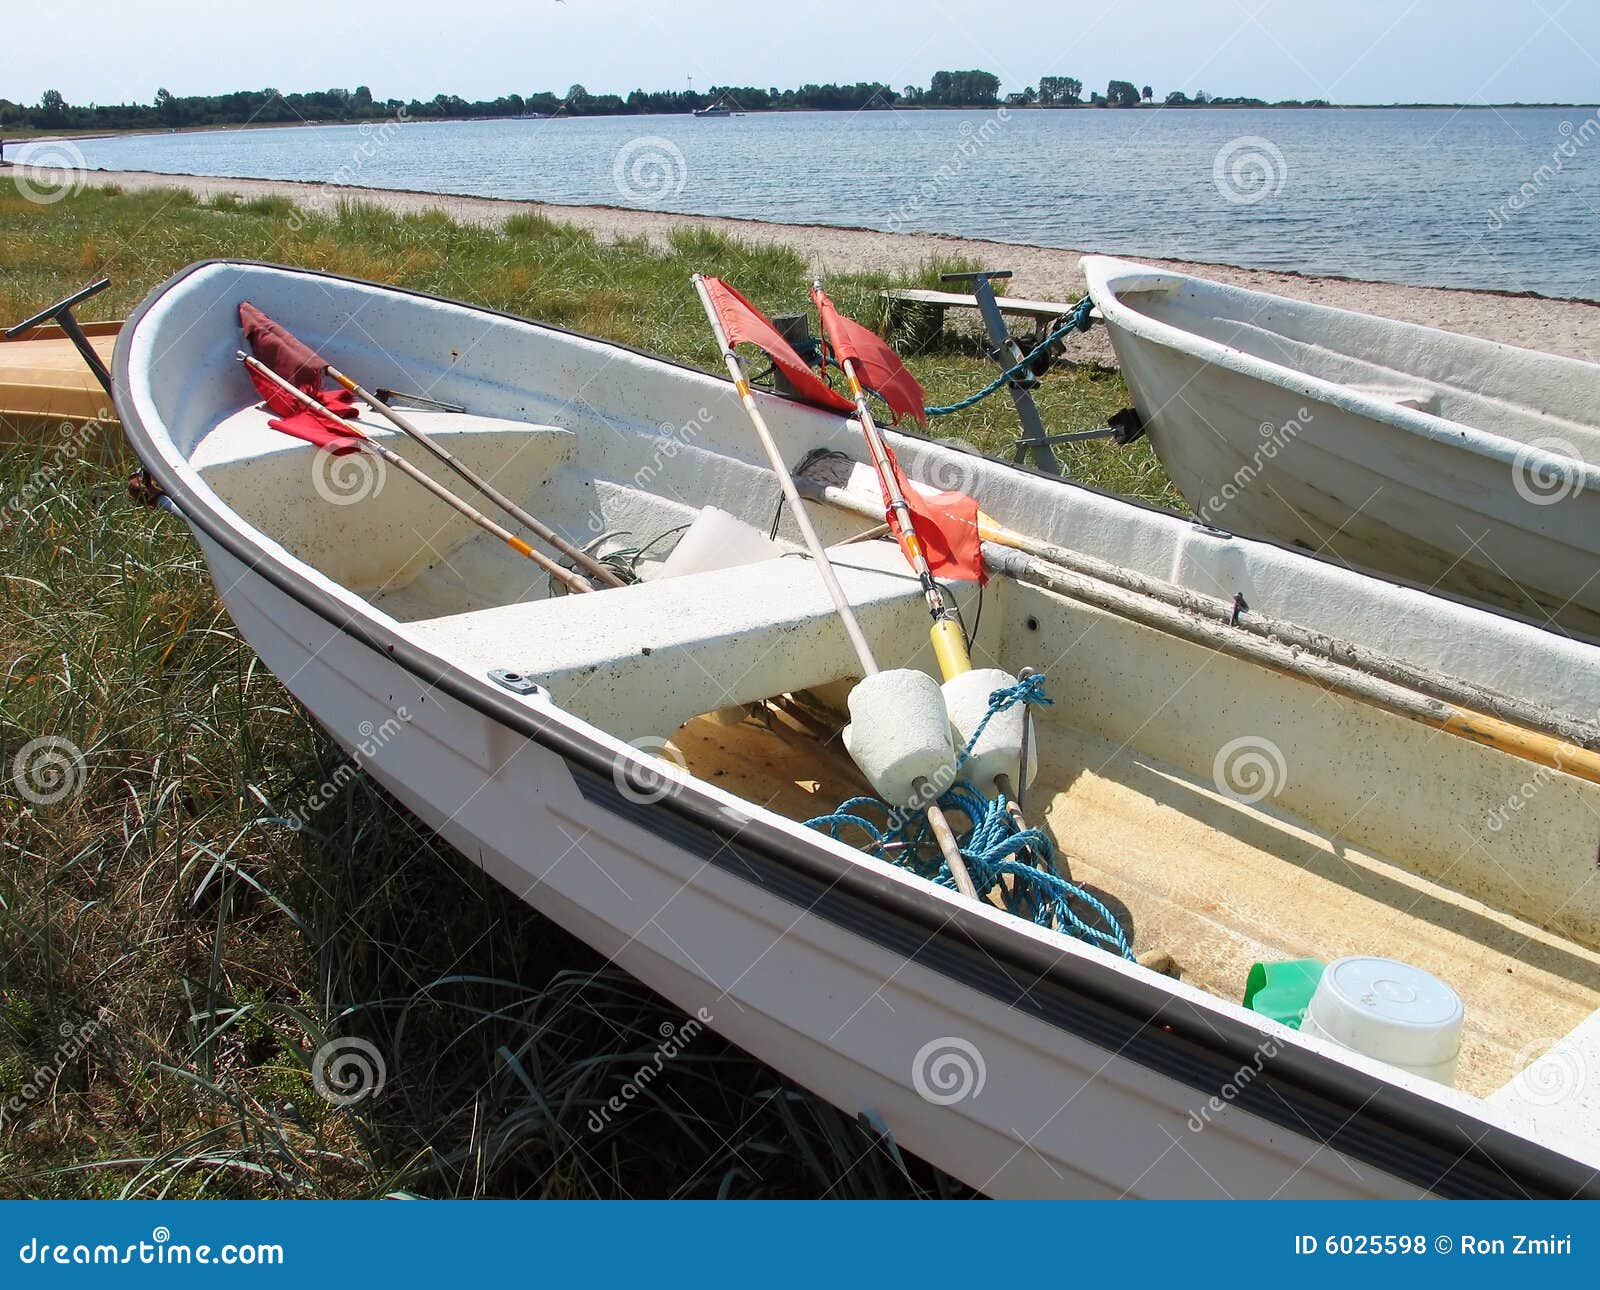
991 844
1078 320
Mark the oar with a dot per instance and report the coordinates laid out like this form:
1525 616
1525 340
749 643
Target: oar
1437 685
949 640
1340 678
573 581
1445 703
594 568
942 831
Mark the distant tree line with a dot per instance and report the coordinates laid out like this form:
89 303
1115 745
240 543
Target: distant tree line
268 107
1067 91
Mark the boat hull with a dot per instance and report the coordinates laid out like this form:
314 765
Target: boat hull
1086 1075
1045 1113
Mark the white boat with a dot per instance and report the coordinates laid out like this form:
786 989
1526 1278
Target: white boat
1233 814
1455 463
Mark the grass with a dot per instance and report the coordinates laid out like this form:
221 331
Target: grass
171 898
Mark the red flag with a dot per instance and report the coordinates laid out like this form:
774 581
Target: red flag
281 403
300 365
745 323
317 430
946 525
294 418
878 367
282 351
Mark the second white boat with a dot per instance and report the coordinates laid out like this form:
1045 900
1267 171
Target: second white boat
1458 464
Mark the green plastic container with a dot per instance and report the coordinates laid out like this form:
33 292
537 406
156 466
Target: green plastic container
1283 991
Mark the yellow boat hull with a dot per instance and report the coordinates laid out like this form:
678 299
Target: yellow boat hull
44 380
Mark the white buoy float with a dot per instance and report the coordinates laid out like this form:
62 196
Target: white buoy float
899 733
998 751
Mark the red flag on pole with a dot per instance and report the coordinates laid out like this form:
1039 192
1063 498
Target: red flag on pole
878 367
306 424
946 525
745 323
281 350
299 364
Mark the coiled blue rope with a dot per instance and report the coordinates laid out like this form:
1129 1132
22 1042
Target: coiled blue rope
1078 320
991 844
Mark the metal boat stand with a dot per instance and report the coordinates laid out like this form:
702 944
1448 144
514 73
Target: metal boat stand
1007 351
60 313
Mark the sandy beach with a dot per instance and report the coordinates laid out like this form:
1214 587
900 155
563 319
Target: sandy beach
1568 327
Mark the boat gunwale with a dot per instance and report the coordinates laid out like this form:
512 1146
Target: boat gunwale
48 330
1186 1037
1102 271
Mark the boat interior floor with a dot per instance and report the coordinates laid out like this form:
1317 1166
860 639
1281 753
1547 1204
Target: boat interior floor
1218 884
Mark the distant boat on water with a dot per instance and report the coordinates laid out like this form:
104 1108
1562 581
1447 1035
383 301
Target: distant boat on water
714 109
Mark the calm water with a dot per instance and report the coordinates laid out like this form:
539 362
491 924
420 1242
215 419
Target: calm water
1506 198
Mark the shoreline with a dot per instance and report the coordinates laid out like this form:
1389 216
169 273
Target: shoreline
143 132
1557 325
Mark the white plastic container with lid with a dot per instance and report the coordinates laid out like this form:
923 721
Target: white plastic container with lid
1389 1010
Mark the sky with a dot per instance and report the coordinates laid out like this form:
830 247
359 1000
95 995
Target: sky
1347 51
